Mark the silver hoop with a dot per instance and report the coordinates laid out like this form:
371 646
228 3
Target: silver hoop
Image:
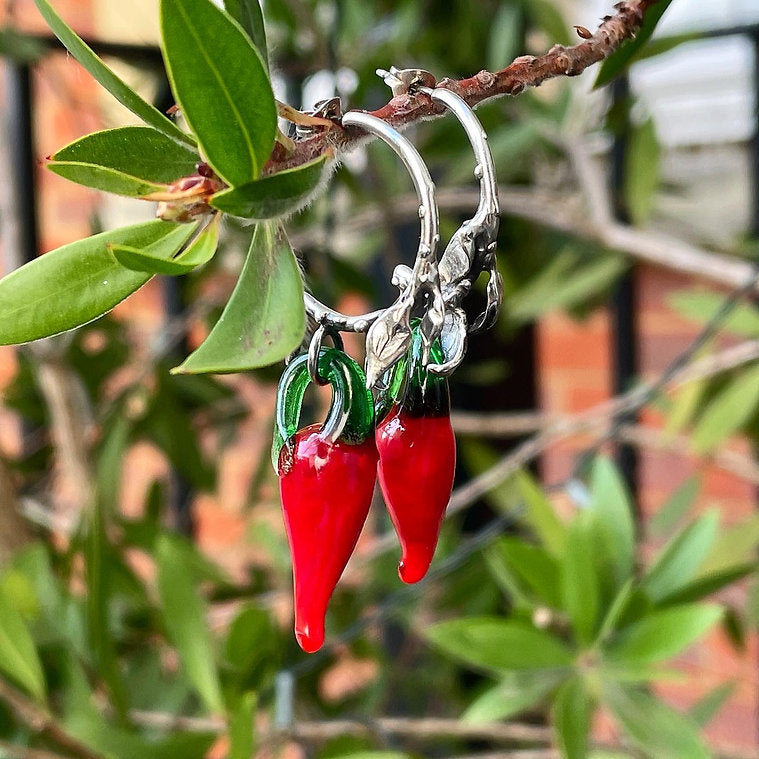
472 248
389 330
315 346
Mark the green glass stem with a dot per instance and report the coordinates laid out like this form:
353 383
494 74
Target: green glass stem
351 412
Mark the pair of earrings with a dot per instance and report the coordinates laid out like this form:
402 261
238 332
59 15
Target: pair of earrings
390 423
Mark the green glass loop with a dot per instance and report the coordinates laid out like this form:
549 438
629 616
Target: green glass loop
412 386
351 412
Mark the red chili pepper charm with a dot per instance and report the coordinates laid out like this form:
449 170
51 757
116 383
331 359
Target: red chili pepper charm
417 459
326 481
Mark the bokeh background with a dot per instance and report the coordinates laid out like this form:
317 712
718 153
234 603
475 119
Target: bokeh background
673 151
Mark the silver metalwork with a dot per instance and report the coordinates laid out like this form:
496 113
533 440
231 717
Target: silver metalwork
389 330
315 346
431 291
472 249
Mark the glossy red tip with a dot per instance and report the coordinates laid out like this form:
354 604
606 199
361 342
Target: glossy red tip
415 562
310 638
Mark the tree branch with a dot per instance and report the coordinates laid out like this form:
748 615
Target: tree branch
526 71
41 723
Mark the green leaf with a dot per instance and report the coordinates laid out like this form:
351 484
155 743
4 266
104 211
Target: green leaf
708 584
549 19
241 729
734 546
580 587
663 634
675 507
251 649
131 161
20 47
18 656
155 260
707 707
572 712
685 405
702 306
533 565
184 615
615 611
679 560
642 171
274 195
99 571
617 61
540 514
158 254
728 411
103 75
515 693
264 320
249 16
75 284
661 45
223 89
613 510
564 285
659 730
505 37
497 644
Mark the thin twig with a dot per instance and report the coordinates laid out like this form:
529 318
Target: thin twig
41 723
526 71
411 727
10 750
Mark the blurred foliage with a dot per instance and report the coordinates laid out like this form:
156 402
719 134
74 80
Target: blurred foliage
123 640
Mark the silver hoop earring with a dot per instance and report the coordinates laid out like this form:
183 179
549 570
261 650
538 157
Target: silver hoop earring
472 248
389 331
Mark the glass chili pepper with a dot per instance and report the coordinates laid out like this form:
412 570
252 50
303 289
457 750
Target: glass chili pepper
417 457
326 479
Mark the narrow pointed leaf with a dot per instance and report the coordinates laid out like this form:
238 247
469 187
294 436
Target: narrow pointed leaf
515 693
272 196
613 510
99 574
572 712
533 565
264 320
164 261
678 562
655 727
728 411
685 405
495 644
223 89
104 76
131 161
580 584
707 707
642 171
540 515
185 619
663 634
617 61
675 507
18 656
734 546
249 16
158 252
75 284
241 735
709 583
701 306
